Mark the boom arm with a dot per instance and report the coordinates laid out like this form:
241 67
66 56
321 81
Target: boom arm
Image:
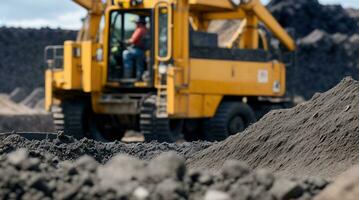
91 25
95 6
271 23
253 12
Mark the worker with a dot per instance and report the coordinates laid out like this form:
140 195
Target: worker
134 55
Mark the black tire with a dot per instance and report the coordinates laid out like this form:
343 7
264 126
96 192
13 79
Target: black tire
230 118
158 129
70 118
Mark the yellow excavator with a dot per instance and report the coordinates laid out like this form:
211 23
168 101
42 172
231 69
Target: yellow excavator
192 87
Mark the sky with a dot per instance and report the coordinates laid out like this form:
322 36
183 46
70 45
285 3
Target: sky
66 14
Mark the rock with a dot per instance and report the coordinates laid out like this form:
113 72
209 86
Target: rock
118 170
345 187
239 191
18 94
34 97
86 163
235 169
18 157
40 183
318 183
284 189
170 190
216 195
141 193
167 165
264 177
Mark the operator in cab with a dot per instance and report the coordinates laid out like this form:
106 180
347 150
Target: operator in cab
134 55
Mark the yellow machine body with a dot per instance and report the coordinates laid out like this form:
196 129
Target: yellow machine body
194 87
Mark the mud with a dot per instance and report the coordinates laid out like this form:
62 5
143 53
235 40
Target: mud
317 138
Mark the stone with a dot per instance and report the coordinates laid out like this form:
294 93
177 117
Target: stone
284 189
264 177
86 163
216 195
16 158
345 187
170 189
141 193
235 169
167 165
118 170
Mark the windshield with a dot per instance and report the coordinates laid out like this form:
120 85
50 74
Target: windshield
122 28
163 32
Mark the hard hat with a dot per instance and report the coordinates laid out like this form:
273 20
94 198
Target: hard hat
140 19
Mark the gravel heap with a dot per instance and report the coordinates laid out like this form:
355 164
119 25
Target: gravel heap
22 55
316 138
328 43
125 177
307 15
324 60
19 113
66 148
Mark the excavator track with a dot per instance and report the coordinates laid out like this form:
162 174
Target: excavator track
69 118
156 129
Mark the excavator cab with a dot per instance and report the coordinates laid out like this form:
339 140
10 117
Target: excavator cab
121 28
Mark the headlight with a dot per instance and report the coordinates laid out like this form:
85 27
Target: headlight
276 87
238 2
99 55
136 2
162 69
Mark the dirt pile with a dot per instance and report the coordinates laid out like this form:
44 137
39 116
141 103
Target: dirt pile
69 149
327 43
323 60
327 40
24 116
316 138
123 177
22 55
307 15
345 187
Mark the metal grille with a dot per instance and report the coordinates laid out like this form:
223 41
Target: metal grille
54 56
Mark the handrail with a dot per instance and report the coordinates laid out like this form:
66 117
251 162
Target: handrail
169 31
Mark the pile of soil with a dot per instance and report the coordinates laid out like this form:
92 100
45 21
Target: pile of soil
327 38
25 115
22 55
316 138
323 60
123 177
67 148
308 15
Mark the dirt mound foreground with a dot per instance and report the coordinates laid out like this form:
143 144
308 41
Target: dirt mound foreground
316 138
124 177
